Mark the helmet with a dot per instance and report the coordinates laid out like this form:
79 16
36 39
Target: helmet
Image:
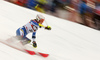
40 18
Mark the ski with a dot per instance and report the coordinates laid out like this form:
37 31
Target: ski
37 53
23 49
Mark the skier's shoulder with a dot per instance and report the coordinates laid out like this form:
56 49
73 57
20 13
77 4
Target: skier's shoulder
33 22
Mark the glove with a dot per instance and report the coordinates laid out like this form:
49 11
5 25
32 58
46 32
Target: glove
48 28
34 44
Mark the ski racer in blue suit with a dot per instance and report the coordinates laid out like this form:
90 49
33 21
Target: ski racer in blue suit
31 27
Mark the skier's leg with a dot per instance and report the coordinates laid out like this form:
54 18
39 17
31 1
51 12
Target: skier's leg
20 33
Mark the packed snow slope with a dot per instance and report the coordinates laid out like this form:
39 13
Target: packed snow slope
66 40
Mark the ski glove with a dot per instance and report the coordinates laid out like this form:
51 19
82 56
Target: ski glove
48 28
34 44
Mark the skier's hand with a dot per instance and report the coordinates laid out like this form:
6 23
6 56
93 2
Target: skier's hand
48 28
34 44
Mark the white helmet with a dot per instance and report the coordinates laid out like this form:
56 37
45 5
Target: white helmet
40 18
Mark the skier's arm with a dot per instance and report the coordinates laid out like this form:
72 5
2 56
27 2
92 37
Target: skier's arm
33 38
40 25
46 27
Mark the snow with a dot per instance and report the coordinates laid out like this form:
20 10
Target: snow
66 41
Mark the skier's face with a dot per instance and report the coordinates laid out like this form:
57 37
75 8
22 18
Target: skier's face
41 21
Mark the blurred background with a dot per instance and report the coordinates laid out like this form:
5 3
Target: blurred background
85 12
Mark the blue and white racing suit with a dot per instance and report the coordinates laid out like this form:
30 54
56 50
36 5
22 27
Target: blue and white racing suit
30 27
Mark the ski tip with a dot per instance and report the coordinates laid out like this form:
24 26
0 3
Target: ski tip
43 54
33 53
30 52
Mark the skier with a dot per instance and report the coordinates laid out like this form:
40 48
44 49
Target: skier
32 27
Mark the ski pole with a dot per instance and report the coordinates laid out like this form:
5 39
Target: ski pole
46 23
